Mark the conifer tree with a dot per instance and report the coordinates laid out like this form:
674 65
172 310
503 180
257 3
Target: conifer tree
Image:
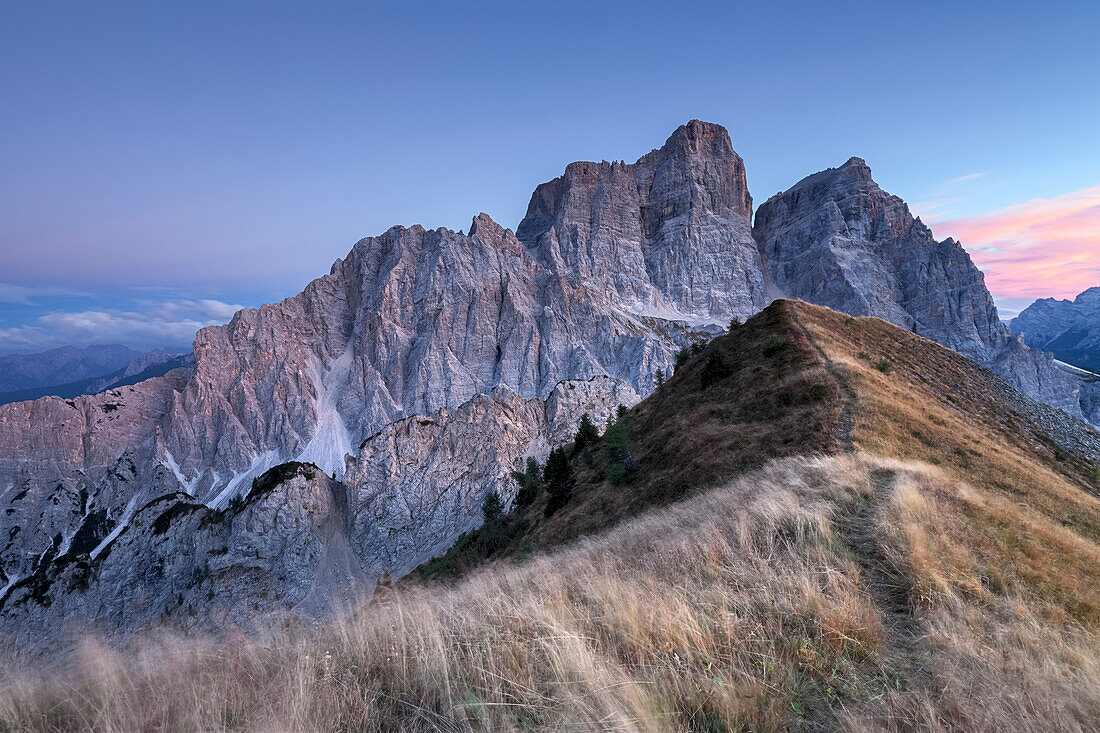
492 508
558 477
682 357
587 434
530 483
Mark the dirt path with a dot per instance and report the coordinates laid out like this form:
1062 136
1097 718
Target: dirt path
888 588
901 653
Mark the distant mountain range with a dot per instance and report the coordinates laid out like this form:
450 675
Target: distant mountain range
71 372
1069 329
61 365
352 432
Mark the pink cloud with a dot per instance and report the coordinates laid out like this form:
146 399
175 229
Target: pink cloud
1040 248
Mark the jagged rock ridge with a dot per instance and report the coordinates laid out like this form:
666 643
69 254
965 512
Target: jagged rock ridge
836 239
1070 329
428 363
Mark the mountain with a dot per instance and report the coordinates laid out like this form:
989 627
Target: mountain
403 387
906 542
146 366
61 366
1070 329
836 239
801 380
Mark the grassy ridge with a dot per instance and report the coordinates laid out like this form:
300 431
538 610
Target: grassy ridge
931 562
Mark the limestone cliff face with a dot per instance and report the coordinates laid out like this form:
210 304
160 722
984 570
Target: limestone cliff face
285 550
669 234
1068 328
836 239
424 368
412 322
420 371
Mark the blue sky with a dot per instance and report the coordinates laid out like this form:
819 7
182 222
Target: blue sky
168 161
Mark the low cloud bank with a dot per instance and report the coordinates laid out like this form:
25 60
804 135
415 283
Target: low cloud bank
149 325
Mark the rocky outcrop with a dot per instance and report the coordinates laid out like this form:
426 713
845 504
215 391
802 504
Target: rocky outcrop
1070 329
836 239
282 550
421 481
62 461
669 235
411 379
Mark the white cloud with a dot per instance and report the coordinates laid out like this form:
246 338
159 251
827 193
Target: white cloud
969 177
23 295
152 324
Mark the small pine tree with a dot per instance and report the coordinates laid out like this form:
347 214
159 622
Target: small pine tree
620 412
558 477
530 483
735 323
492 508
491 536
682 357
587 434
619 451
697 349
658 378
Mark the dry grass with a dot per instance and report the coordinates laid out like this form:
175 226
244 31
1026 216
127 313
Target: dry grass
748 608
1030 504
776 402
950 583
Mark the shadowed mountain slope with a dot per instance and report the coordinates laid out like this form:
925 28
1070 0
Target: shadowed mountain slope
934 565
805 380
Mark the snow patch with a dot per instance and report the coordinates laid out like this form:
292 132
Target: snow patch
67 540
1060 364
260 463
6 588
189 486
331 440
123 523
5 491
668 313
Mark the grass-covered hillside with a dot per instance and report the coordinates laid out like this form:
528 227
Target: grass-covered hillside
818 522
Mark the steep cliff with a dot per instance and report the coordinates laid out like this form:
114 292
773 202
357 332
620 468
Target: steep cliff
1070 329
428 364
836 239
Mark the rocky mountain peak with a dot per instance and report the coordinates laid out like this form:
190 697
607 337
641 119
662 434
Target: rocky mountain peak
702 153
1068 328
856 164
1088 297
430 363
669 233
836 238
484 224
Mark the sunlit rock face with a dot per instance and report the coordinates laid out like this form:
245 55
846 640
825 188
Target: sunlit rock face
668 235
425 367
